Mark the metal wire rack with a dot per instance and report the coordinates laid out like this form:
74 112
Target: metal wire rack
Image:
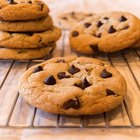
16 113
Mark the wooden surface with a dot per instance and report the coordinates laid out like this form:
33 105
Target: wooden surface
18 120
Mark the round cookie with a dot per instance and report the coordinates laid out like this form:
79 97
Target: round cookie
29 39
36 25
68 20
73 86
13 10
21 54
107 32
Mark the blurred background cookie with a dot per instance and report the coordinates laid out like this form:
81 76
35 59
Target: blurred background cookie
68 20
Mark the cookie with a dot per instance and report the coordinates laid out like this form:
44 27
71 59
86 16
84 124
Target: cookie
6 53
107 32
73 86
13 10
36 25
29 39
68 20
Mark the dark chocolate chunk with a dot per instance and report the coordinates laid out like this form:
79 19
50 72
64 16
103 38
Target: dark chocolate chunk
85 83
111 29
122 19
62 75
74 34
72 13
30 2
37 69
90 14
110 92
94 48
60 61
50 80
99 24
106 18
73 69
11 2
105 74
87 25
72 103
65 18
98 35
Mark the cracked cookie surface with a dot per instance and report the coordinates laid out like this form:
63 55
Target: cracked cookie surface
29 39
13 10
73 86
107 32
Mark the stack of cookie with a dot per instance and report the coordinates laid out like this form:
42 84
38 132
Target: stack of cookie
107 32
26 30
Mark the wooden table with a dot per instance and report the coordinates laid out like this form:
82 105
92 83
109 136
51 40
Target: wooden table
18 120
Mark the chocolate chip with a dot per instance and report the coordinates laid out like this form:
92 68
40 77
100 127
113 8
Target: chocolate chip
85 83
60 61
105 74
122 19
50 80
72 13
111 29
94 48
87 25
30 2
110 92
99 24
62 75
65 18
106 18
125 27
37 69
11 2
90 14
74 34
73 69
72 103
98 35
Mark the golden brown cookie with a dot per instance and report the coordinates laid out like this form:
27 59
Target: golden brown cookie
21 54
13 10
36 25
73 86
29 39
107 32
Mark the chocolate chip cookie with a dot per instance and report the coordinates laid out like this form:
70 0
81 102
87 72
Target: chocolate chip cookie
73 86
6 53
13 10
68 20
107 32
29 39
36 25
